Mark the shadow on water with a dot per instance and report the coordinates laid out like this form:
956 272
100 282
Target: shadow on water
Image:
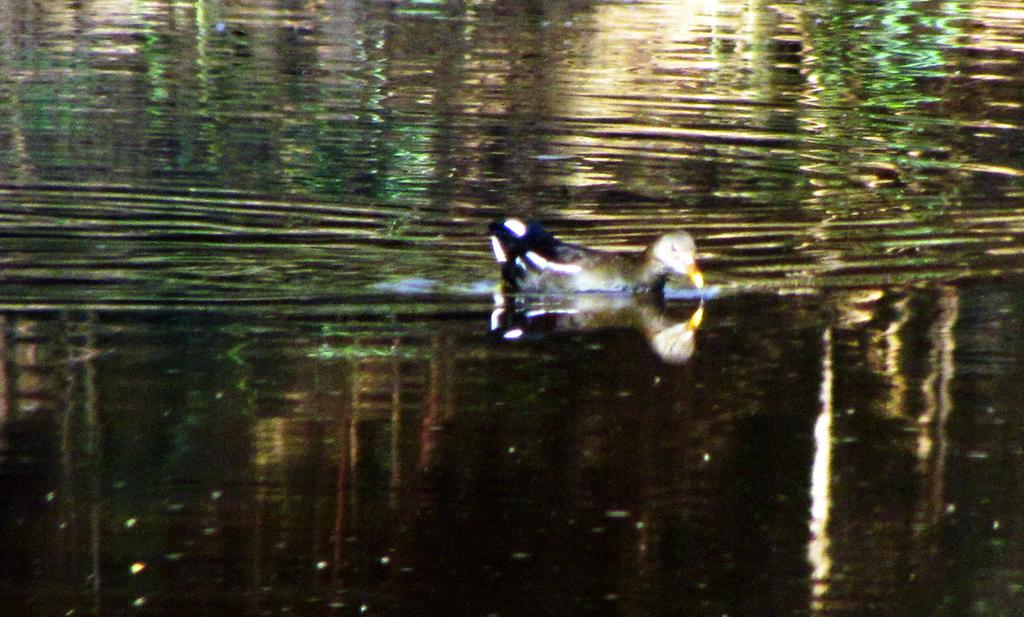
251 362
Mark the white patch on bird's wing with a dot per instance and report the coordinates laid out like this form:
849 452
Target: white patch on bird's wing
538 313
553 266
513 334
517 227
499 252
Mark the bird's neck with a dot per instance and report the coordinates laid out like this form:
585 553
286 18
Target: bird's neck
650 274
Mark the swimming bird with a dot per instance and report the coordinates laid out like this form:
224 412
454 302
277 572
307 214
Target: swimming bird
533 260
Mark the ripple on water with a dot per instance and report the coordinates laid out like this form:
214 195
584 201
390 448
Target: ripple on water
74 244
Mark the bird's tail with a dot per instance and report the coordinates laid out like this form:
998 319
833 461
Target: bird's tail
513 238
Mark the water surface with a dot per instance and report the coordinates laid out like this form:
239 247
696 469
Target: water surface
250 361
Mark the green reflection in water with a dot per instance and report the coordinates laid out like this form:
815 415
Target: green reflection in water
882 52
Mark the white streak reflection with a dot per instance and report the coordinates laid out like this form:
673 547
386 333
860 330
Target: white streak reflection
821 498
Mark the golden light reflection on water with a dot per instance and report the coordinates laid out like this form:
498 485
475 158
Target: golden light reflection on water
924 413
1001 26
661 72
933 442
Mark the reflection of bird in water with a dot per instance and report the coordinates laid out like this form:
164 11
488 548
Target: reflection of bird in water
672 339
533 260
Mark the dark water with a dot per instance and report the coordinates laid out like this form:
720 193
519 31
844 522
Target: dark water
250 363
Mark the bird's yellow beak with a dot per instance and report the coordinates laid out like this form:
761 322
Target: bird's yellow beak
696 276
